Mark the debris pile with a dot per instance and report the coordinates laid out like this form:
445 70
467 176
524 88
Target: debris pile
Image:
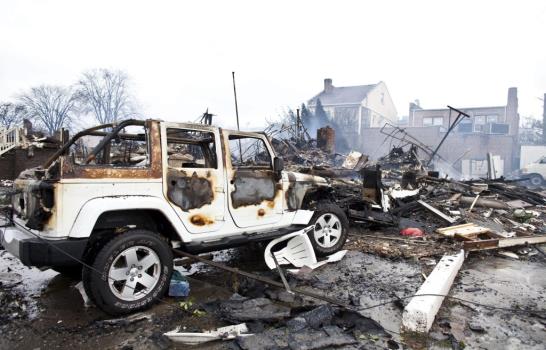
13 306
399 191
273 324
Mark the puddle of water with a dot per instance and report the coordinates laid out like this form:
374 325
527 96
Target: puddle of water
499 282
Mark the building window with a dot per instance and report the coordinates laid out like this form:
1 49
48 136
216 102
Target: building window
480 119
433 121
493 118
482 123
465 126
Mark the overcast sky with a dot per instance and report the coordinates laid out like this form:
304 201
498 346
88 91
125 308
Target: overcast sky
180 54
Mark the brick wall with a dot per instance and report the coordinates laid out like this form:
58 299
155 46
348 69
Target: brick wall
15 161
456 147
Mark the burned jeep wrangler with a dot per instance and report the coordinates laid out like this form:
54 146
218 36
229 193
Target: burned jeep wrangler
114 200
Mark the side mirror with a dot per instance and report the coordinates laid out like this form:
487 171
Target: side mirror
278 165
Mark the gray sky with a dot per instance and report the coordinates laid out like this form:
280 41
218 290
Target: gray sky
180 54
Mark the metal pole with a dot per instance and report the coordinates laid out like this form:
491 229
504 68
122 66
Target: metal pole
237 115
235 95
451 127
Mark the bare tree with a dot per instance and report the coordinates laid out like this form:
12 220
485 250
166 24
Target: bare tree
11 114
105 94
50 106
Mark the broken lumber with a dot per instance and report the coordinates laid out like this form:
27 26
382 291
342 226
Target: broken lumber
463 230
485 244
438 213
419 314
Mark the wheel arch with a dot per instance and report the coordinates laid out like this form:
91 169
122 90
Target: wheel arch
314 195
108 213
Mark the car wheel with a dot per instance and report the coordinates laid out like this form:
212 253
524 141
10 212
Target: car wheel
330 229
536 180
130 272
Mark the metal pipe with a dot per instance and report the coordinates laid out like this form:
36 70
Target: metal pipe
237 115
487 203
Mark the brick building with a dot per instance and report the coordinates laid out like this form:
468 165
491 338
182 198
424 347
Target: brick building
490 129
21 148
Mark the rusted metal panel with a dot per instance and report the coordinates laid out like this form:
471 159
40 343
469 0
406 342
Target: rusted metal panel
156 163
189 192
201 220
252 187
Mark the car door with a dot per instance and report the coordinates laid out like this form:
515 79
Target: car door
193 175
254 190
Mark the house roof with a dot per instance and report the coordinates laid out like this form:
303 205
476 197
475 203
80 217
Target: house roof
343 95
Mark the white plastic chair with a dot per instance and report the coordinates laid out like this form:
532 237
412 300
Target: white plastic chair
298 251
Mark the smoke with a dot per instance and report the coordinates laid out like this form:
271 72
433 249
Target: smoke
320 119
446 169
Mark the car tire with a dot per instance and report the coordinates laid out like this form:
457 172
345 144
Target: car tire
330 229
130 272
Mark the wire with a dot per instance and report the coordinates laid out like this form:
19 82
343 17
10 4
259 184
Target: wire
528 311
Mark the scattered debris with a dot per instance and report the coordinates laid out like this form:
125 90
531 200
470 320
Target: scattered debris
412 232
223 333
141 316
329 259
9 279
86 301
179 285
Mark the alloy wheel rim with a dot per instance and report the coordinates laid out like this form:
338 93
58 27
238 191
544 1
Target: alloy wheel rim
327 231
134 273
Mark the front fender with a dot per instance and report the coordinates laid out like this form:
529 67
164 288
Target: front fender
93 208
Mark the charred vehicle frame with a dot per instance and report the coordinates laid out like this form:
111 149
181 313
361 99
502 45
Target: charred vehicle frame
117 200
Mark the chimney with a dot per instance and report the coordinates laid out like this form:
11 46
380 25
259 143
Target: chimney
512 116
328 87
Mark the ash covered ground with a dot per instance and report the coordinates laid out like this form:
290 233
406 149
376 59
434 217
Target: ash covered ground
42 309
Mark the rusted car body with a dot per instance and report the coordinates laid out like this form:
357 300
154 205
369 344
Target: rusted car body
191 182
